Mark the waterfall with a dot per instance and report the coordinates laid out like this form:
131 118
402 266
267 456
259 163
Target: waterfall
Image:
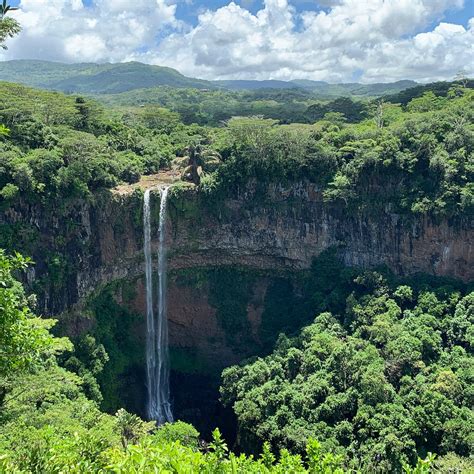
150 319
157 356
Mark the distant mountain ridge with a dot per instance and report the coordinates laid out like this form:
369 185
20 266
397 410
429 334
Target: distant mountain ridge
321 87
91 78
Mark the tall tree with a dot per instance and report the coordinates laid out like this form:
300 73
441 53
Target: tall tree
9 27
25 339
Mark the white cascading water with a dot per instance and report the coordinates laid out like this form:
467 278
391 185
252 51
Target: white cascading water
157 356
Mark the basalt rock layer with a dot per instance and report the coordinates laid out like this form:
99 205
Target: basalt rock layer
81 246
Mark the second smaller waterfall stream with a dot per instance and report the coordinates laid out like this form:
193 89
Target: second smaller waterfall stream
157 352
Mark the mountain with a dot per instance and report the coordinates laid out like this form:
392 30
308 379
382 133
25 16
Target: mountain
239 85
91 78
356 89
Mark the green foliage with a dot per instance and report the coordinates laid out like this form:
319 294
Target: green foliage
47 424
350 110
45 419
131 427
440 89
229 294
374 155
413 162
381 377
426 103
385 381
179 431
62 146
25 340
153 456
8 26
88 361
330 373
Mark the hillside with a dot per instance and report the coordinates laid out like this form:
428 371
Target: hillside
240 85
89 78
95 78
325 89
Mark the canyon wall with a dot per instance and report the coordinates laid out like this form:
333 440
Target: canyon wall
233 264
83 246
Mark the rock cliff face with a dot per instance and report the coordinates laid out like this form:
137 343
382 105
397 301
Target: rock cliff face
84 246
286 227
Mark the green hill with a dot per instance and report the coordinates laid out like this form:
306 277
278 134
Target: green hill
90 78
322 88
238 85
95 78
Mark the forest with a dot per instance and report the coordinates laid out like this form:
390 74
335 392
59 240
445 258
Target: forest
416 158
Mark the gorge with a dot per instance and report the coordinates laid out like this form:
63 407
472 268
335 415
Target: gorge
315 278
251 248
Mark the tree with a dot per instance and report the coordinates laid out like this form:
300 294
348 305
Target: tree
25 340
199 159
5 8
158 118
8 26
131 427
380 384
378 113
426 103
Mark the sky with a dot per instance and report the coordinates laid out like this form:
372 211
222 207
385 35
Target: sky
332 40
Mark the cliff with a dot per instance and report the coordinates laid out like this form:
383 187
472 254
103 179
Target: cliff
235 267
82 246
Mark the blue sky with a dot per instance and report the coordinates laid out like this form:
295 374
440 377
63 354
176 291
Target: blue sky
334 40
189 11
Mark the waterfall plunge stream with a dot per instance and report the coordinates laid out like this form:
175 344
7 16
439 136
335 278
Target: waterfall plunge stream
157 356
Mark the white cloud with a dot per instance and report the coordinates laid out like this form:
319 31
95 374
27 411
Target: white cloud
110 30
378 40
354 35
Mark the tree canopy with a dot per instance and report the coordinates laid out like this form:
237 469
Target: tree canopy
387 380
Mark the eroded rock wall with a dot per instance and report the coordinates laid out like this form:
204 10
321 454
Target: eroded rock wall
234 265
278 227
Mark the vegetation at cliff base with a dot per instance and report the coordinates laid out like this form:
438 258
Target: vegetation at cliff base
388 380
48 424
383 382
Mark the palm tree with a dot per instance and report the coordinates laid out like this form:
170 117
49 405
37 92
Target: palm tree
5 8
9 27
131 427
200 159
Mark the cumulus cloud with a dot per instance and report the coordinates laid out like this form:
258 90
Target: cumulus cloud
109 30
372 40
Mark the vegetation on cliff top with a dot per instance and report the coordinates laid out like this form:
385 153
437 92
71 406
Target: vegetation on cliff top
415 159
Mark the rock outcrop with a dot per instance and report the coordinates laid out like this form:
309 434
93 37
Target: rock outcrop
278 228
